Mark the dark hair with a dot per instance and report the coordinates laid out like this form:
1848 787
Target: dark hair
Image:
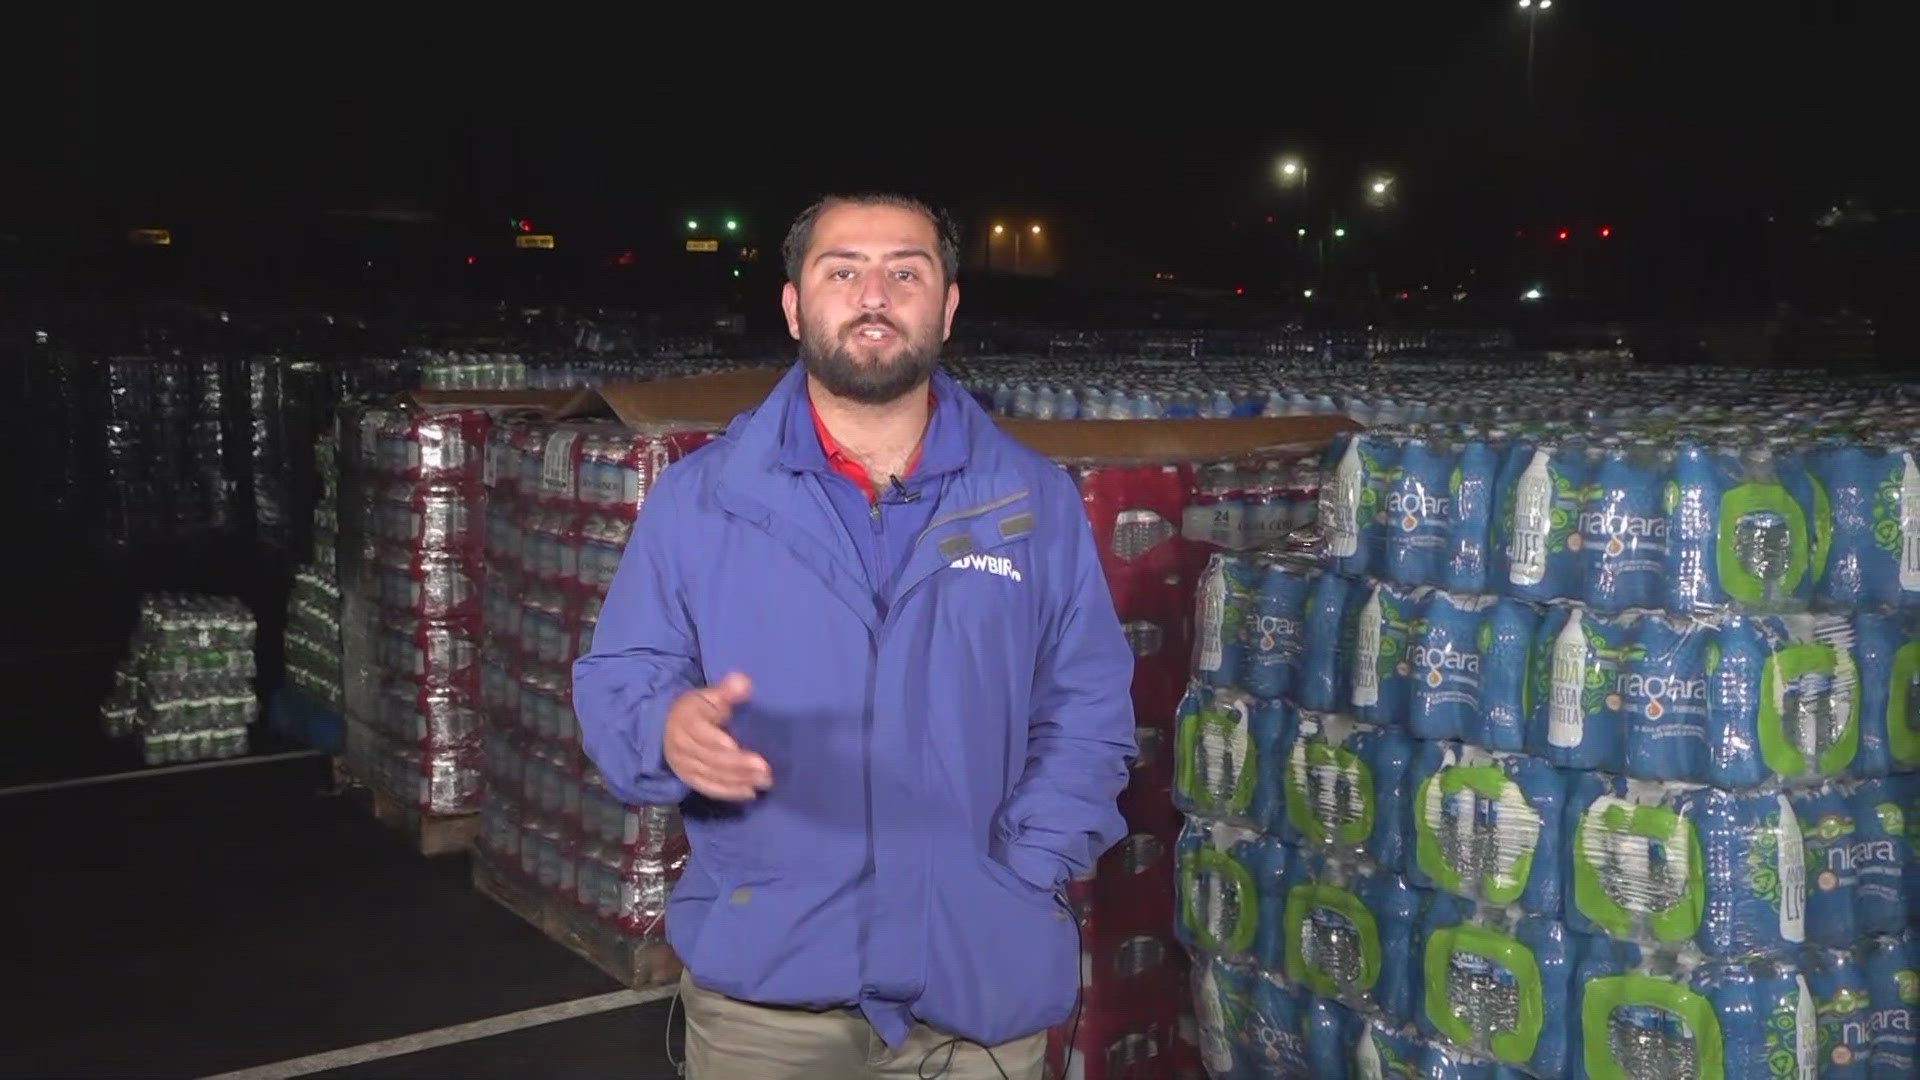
800 236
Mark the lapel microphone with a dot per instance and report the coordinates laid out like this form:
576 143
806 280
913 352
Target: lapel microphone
900 492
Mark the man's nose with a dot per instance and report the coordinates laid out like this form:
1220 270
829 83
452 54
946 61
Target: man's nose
873 291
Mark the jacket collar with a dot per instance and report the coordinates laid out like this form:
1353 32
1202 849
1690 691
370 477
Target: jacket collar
764 479
778 437
943 449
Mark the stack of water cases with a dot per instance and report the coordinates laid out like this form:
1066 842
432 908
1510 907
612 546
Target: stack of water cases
165 449
1376 387
562 503
1154 526
185 691
411 570
1581 752
313 607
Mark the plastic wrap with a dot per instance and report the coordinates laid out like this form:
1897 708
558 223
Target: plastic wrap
313 636
1689 520
411 552
185 690
1582 751
561 501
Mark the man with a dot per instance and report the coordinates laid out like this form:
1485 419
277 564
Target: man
864 641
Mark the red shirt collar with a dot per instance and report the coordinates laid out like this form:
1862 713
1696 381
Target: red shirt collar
844 464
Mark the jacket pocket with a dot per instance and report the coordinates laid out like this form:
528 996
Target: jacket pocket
1002 956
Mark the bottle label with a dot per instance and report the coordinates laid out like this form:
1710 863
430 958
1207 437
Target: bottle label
1806 1050
1213 613
1793 875
556 467
1532 522
1342 499
1366 659
1566 709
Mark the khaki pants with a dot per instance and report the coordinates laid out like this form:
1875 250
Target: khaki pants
732 1040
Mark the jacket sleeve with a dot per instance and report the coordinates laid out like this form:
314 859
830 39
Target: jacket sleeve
1064 811
644 656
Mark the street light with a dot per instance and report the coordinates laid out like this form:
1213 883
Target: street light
1301 233
1339 233
1531 294
1001 230
1380 189
1533 8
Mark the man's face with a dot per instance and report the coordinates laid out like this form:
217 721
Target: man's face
872 306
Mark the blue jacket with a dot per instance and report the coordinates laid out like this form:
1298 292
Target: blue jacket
946 750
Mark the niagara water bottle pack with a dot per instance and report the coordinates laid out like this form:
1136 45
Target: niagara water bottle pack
1473 833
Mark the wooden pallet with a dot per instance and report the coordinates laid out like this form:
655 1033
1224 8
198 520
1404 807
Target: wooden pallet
638 963
432 834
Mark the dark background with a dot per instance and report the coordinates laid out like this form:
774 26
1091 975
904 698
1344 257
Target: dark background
1706 138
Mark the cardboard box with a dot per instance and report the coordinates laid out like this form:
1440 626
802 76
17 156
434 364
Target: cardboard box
717 399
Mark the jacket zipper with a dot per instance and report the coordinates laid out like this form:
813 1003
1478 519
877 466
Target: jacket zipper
970 512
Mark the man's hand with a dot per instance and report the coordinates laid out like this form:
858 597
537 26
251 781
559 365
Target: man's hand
700 751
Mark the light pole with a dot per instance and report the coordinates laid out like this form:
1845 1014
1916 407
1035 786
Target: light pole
1533 8
1293 174
1001 230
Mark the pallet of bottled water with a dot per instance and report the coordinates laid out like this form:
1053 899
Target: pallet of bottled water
1506 388
185 691
410 574
1585 747
555 844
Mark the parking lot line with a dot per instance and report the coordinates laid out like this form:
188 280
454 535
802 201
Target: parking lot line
162 770
448 1036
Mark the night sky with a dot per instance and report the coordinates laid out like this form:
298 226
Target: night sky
1657 118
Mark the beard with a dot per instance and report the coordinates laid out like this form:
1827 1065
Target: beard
872 380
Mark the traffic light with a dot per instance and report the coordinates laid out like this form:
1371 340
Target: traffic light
1606 231
525 225
1563 235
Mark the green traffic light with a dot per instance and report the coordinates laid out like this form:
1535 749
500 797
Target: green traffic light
732 225
692 225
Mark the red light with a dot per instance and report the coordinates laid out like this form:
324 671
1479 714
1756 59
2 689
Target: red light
1240 291
1564 234
1606 231
471 259
1269 219
525 225
1520 233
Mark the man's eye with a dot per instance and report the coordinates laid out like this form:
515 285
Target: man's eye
905 275
844 273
